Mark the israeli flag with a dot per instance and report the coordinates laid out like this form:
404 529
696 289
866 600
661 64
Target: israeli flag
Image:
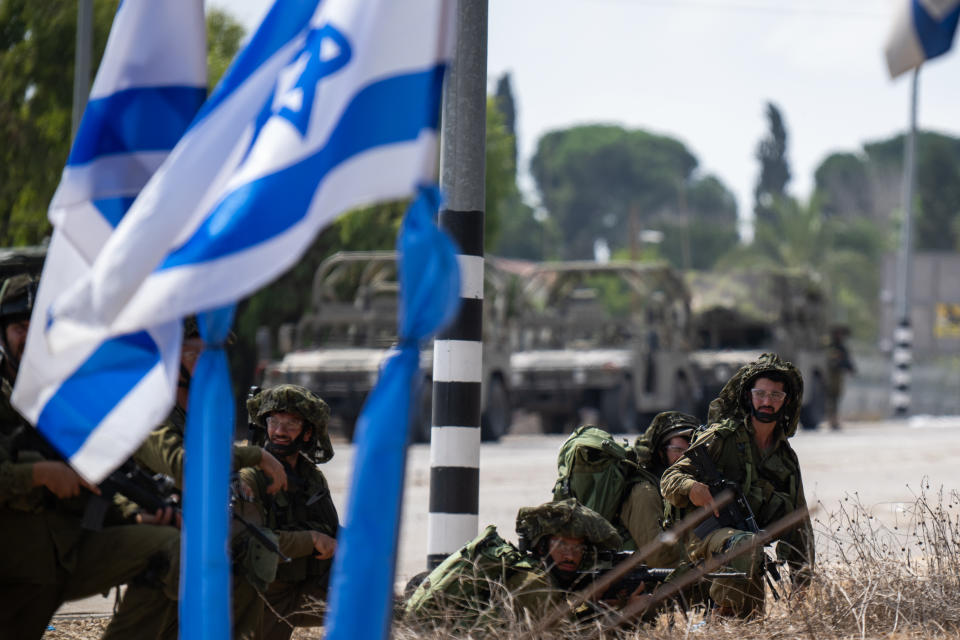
330 106
922 29
146 93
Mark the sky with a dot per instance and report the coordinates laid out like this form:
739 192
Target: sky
702 71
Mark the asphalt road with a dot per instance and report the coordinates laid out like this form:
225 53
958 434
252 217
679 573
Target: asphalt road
880 463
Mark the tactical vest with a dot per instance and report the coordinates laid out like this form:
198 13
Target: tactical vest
306 504
772 490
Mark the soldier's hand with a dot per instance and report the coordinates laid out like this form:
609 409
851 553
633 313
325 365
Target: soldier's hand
324 545
163 517
700 496
274 470
60 479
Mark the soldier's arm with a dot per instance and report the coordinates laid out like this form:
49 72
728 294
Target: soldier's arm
532 591
293 544
681 477
162 452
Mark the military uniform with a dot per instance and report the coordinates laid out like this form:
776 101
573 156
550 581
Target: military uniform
839 364
462 590
642 511
163 452
301 584
50 559
770 480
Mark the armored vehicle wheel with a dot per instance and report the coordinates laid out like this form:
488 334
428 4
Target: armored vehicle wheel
495 421
553 422
811 413
619 407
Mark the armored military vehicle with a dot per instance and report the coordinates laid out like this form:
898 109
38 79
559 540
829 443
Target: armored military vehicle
743 313
340 344
613 337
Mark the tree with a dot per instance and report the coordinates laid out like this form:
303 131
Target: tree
36 95
507 107
37 41
224 35
870 184
774 170
602 181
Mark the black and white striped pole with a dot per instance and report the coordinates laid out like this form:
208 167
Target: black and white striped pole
903 333
457 351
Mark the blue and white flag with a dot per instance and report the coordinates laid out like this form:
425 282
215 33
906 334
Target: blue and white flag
150 84
922 29
331 105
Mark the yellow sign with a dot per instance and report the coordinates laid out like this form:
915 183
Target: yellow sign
947 322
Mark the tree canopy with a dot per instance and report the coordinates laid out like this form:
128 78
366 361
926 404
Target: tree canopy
607 182
774 168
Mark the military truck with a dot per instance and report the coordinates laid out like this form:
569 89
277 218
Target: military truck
339 346
742 313
612 337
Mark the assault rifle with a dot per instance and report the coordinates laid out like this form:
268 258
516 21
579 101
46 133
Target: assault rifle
737 514
639 575
150 492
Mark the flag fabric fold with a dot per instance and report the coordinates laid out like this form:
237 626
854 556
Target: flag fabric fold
922 29
429 299
149 86
345 113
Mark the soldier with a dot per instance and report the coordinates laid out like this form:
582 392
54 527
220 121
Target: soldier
561 536
662 444
756 412
839 364
163 452
293 421
49 557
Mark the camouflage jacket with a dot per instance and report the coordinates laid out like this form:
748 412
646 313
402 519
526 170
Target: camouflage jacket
770 480
305 506
162 451
482 584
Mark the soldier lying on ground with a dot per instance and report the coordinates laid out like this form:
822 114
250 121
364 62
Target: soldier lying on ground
477 584
50 558
756 412
293 423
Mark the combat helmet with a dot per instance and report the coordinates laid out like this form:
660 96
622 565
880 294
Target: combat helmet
301 401
665 425
17 295
567 518
734 399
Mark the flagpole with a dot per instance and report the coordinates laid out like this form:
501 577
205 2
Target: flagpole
82 63
457 351
903 333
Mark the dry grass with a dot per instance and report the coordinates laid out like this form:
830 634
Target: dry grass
896 581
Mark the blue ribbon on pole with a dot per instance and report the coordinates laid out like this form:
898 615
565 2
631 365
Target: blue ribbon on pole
205 560
361 587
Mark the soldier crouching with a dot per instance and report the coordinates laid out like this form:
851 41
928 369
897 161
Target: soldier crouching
747 442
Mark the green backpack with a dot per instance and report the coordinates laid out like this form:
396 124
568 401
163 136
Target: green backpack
465 580
597 471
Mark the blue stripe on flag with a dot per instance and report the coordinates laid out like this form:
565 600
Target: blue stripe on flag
86 397
141 119
393 110
113 209
935 36
285 20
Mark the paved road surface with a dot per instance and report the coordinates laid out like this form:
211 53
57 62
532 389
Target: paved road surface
883 462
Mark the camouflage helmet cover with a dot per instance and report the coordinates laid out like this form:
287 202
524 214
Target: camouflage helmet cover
17 295
293 398
567 518
734 400
665 425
